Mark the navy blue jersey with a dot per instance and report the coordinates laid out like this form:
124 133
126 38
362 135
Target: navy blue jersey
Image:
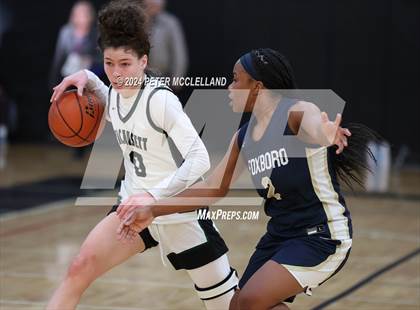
297 180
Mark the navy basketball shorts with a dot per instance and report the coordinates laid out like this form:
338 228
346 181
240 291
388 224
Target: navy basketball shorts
311 259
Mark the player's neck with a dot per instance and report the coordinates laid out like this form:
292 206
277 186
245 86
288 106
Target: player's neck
264 107
129 92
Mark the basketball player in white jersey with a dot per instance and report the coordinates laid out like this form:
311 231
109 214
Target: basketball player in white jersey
163 155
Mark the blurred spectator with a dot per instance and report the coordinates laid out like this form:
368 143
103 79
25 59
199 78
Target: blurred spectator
8 110
76 48
76 44
169 53
8 123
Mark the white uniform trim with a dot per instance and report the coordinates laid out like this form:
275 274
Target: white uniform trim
311 277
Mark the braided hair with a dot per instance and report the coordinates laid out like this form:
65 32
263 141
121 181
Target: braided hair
270 67
275 72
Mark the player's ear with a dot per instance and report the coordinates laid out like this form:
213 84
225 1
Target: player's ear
143 62
258 85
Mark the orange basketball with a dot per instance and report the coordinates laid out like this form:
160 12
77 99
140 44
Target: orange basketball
76 120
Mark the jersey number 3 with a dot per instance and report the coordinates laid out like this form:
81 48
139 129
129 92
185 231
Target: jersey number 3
271 193
137 161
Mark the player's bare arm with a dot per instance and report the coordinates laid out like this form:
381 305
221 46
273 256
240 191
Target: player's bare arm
313 126
140 211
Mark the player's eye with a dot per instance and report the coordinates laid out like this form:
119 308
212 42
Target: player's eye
234 78
108 63
125 64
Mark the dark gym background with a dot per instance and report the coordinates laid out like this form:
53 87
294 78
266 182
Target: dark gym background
367 51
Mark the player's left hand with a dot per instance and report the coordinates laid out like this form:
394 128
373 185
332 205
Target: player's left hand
334 133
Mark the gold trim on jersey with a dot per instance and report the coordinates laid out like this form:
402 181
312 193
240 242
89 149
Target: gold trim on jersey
321 181
338 256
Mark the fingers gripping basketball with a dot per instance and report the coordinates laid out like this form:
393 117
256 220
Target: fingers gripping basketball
76 120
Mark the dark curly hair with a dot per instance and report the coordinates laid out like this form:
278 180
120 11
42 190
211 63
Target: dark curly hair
122 23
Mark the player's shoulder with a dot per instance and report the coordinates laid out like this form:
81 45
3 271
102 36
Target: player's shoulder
66 30
162 95
302 106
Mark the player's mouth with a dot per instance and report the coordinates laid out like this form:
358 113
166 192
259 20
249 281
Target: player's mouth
116 84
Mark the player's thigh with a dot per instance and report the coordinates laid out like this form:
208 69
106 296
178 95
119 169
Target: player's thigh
103 246
269 285
192 245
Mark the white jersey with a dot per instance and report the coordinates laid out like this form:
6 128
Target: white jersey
154 134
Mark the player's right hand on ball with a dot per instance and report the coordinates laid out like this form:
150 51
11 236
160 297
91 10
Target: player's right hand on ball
78 79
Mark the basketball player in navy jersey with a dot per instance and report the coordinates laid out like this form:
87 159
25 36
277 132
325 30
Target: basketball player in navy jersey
309 234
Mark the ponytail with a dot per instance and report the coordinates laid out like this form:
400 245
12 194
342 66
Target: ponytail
351 165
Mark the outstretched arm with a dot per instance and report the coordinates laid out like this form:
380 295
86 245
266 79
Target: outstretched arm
137 216
313 126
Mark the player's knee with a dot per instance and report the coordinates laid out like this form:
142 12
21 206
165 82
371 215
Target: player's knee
83 265
280 306
249 300
220 290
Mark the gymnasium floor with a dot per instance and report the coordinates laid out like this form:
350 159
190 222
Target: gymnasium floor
36 245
